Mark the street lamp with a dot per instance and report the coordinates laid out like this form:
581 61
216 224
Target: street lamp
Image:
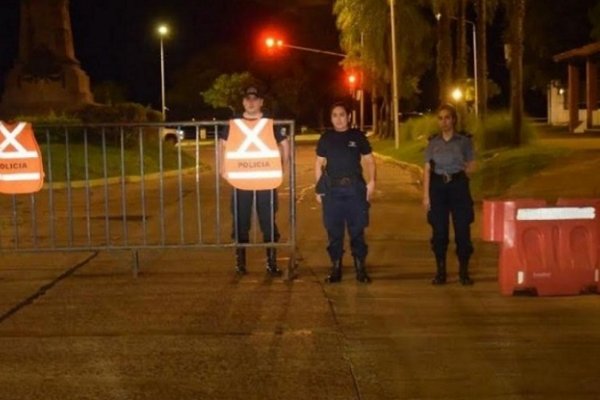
163 31
457 94
474 28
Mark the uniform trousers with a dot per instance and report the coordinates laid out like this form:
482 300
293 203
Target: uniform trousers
346 207
266 208
451 199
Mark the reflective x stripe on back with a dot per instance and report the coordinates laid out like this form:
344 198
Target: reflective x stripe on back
252 138
10 138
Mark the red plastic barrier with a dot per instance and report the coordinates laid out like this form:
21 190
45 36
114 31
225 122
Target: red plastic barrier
551 250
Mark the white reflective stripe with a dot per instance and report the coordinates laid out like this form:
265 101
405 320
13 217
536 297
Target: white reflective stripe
230 155
10 139
251 135
13 154
520 277
33 176
255 175
555 213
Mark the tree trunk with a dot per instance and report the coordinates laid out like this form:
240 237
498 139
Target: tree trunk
374 111
481 58
516 15
460 73
444 52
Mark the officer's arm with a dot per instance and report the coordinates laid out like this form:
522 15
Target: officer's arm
319 164
426 178
369 162
470 167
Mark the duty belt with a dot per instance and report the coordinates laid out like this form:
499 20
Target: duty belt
343 181
447 178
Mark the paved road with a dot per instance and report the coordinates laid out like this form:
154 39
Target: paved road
79 326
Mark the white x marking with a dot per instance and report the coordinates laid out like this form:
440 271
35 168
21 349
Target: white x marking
252 138
10 138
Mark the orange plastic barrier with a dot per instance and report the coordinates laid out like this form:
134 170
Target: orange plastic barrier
545 249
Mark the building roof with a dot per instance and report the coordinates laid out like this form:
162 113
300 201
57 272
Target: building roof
586 51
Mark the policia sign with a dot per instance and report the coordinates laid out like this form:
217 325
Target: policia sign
21 166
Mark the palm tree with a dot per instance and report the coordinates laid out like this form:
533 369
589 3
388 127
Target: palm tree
481 78
516 14
368 18
444 11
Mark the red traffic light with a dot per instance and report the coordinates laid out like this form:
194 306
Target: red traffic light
272 42
352 79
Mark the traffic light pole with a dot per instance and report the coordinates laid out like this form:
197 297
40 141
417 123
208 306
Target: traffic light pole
330 53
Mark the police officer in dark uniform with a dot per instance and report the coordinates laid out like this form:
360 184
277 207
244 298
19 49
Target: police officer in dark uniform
449 157
266 200
343 192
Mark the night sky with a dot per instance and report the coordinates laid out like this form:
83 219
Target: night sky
115 40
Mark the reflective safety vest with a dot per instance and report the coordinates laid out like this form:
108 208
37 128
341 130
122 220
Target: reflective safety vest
252 158
21 167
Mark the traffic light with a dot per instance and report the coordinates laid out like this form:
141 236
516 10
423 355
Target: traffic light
352 80
273 43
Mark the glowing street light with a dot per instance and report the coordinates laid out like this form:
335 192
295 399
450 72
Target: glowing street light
457 94
163 31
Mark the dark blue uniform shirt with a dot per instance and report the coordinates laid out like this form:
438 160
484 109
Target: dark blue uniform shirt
449 156
343 151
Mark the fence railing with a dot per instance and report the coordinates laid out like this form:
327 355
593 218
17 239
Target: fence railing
132 187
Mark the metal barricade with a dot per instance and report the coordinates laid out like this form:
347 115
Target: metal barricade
135 187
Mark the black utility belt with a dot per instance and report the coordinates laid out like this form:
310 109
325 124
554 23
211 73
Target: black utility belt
343 181
450 177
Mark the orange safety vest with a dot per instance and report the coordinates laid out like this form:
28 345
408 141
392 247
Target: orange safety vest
21 167
252 158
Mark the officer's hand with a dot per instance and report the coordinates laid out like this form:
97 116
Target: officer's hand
370 190
318 197
426 203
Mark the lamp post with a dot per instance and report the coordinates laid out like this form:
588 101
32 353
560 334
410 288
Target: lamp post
475 64
163 30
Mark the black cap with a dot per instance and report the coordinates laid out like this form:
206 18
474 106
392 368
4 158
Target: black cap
252 91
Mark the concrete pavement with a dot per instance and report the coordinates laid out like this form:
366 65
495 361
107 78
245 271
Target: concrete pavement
187 328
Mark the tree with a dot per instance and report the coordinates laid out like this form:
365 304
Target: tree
358 19
227 90
516 13
481 9
444 11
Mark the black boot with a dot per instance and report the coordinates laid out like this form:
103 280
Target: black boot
240 261
440 275
272 262
335 275
361 272
463 273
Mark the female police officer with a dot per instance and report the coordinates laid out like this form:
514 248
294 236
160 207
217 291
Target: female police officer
448 159
346 197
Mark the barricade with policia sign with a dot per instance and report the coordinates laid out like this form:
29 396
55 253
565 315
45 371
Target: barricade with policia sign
21 166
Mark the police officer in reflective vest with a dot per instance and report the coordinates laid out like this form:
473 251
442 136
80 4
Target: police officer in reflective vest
343 192
449 158
261 153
